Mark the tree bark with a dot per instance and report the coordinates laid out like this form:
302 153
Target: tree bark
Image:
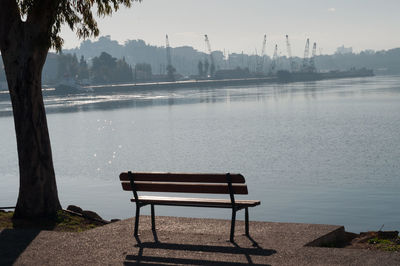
24 54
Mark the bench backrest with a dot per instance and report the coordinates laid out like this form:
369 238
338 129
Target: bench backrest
184 182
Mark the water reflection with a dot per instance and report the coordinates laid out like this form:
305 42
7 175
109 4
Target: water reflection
275 92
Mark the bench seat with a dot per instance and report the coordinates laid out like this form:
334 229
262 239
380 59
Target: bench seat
198 202
189 183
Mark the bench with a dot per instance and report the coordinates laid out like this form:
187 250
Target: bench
230 184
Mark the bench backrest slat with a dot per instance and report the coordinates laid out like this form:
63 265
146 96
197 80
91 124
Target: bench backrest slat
182 177
185 187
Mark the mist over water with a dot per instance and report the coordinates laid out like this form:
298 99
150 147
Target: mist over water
315 152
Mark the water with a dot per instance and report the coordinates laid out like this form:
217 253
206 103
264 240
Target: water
317 152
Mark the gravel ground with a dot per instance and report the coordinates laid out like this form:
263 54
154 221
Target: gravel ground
184 241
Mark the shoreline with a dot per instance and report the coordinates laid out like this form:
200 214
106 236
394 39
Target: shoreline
50 90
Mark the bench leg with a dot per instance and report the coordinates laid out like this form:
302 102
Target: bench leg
137 220
153 219
246 217
233 225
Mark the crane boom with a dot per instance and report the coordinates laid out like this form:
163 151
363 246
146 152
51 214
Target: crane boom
312 59
314 50
260 65
212 67
306 54
209 48
169 61
264 45
289 50
170 69
274 59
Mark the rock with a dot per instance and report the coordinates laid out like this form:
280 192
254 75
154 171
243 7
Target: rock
115 220
91 215
74 208
364 237
388 234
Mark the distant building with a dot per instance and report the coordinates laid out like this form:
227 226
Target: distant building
344 50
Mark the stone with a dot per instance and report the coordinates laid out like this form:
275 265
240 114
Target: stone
388 234
74 208
91 215
115 220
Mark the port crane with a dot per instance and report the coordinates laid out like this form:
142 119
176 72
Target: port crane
312 59
212 67
260 64
306 55
170 69
289 50
274 59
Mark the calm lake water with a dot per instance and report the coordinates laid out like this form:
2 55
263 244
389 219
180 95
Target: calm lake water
317 152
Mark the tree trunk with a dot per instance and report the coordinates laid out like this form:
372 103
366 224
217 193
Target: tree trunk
23 62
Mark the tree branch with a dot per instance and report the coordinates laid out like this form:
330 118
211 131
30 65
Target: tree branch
9 19
37 11
43 21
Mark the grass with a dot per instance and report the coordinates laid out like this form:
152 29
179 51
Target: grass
374 242
6 220
385 244
64 221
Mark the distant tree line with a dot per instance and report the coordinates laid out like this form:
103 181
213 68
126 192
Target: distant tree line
205 69
382 62
107 69
107 61
186 59
102 69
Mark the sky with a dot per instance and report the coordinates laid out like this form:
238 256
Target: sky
239 25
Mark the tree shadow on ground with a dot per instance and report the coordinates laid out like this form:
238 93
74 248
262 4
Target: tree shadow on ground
154 260
13 242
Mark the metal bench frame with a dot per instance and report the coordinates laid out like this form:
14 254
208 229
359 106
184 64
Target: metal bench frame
234 207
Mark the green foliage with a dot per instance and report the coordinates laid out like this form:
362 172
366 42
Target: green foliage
107 69
102 68
5 219
212 70
385 244
77 14
206 66
143 72
200 68
83 69
123 71
69 222
171 72
63 221
68 66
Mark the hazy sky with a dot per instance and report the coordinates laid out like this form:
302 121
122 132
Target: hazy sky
239 25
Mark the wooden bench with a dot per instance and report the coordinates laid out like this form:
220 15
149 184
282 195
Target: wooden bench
230 184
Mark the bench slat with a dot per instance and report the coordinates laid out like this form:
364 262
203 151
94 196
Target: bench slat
206 202
182 177
185 187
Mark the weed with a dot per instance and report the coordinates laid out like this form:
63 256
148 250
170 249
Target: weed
63 221
385 244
